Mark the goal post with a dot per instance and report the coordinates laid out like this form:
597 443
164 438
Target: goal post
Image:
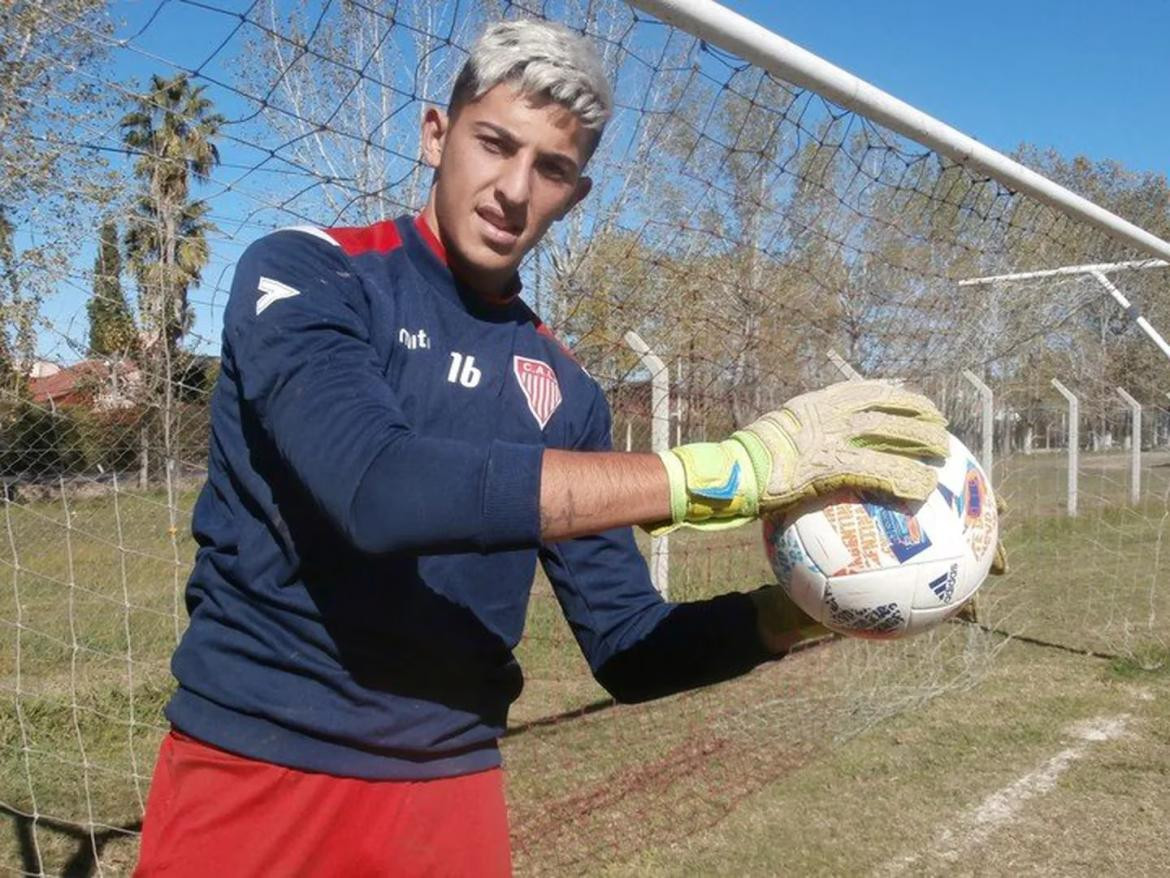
1098 273
731 31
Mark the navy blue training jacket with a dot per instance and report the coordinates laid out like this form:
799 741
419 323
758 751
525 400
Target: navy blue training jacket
369 529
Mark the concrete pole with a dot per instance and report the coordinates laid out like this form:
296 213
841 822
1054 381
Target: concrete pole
659 441
1074 444
987 457
1135 445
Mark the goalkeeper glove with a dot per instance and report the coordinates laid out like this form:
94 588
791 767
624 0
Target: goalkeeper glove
999 564
867 435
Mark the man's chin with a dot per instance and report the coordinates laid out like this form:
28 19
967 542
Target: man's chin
500 254
492 255
485 260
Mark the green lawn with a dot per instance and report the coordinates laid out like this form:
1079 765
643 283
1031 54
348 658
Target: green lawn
90 609
956 788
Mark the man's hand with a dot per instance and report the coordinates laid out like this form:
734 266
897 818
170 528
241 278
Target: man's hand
868 435
999 564
782 624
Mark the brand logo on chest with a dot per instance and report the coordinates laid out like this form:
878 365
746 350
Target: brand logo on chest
539 383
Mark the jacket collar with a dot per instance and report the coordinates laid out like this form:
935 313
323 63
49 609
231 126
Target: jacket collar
429 256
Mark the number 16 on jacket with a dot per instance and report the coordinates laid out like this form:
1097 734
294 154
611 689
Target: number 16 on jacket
463 370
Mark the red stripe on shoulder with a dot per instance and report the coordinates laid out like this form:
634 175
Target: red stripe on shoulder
431 239
379 238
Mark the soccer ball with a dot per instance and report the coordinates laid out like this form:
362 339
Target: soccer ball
873 566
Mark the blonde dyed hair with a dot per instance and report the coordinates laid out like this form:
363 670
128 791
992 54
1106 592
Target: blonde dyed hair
540 59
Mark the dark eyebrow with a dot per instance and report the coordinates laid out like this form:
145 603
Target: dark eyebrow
566 161
502 133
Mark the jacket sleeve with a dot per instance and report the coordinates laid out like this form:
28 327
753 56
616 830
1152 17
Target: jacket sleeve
638 645
297 328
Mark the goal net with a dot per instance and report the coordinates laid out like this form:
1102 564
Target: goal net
761 239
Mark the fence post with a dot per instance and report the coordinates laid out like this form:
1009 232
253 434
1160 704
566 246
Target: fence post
1166 422
659 441
1074 443
1135 445
988 397
843 366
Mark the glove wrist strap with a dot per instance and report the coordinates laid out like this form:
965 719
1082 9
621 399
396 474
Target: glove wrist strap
677 477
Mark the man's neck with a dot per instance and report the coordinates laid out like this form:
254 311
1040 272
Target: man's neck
493 289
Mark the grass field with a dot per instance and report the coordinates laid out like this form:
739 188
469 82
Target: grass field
777 771
978 782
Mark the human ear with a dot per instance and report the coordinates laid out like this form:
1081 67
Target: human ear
435 125
584 187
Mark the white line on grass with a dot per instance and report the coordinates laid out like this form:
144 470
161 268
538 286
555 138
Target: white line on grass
976 824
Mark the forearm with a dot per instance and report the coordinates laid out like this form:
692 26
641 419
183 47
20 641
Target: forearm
692 644
415 495
706 641
586 492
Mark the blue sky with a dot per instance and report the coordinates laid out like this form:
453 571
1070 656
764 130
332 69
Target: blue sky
1077 76
1088 78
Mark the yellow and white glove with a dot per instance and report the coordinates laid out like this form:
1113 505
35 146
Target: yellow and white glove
868 435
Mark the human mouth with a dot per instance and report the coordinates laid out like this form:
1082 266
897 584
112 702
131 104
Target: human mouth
497 229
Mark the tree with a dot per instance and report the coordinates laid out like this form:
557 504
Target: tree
8 370
1088 341
172 130
51 58
354 134
112 332
47 48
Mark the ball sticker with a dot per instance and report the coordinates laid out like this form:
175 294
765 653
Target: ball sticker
882 619
974 491
904 534
859 533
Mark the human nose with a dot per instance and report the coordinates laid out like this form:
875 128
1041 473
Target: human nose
514 184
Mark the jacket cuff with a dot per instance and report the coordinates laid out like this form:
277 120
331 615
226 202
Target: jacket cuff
511 493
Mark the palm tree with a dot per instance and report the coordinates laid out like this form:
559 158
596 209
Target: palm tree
172 130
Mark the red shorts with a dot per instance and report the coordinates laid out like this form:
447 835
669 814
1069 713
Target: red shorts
211 812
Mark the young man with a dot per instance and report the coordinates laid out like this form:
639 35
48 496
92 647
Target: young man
396 441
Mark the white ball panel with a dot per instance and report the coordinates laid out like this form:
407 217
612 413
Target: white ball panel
864 605
924 620
807 590
974 572
822 541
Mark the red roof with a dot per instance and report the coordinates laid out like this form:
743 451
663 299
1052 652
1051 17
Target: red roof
72 385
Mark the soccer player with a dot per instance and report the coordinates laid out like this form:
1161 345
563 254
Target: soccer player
396 441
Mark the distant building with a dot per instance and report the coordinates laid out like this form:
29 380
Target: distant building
43 369
98 384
